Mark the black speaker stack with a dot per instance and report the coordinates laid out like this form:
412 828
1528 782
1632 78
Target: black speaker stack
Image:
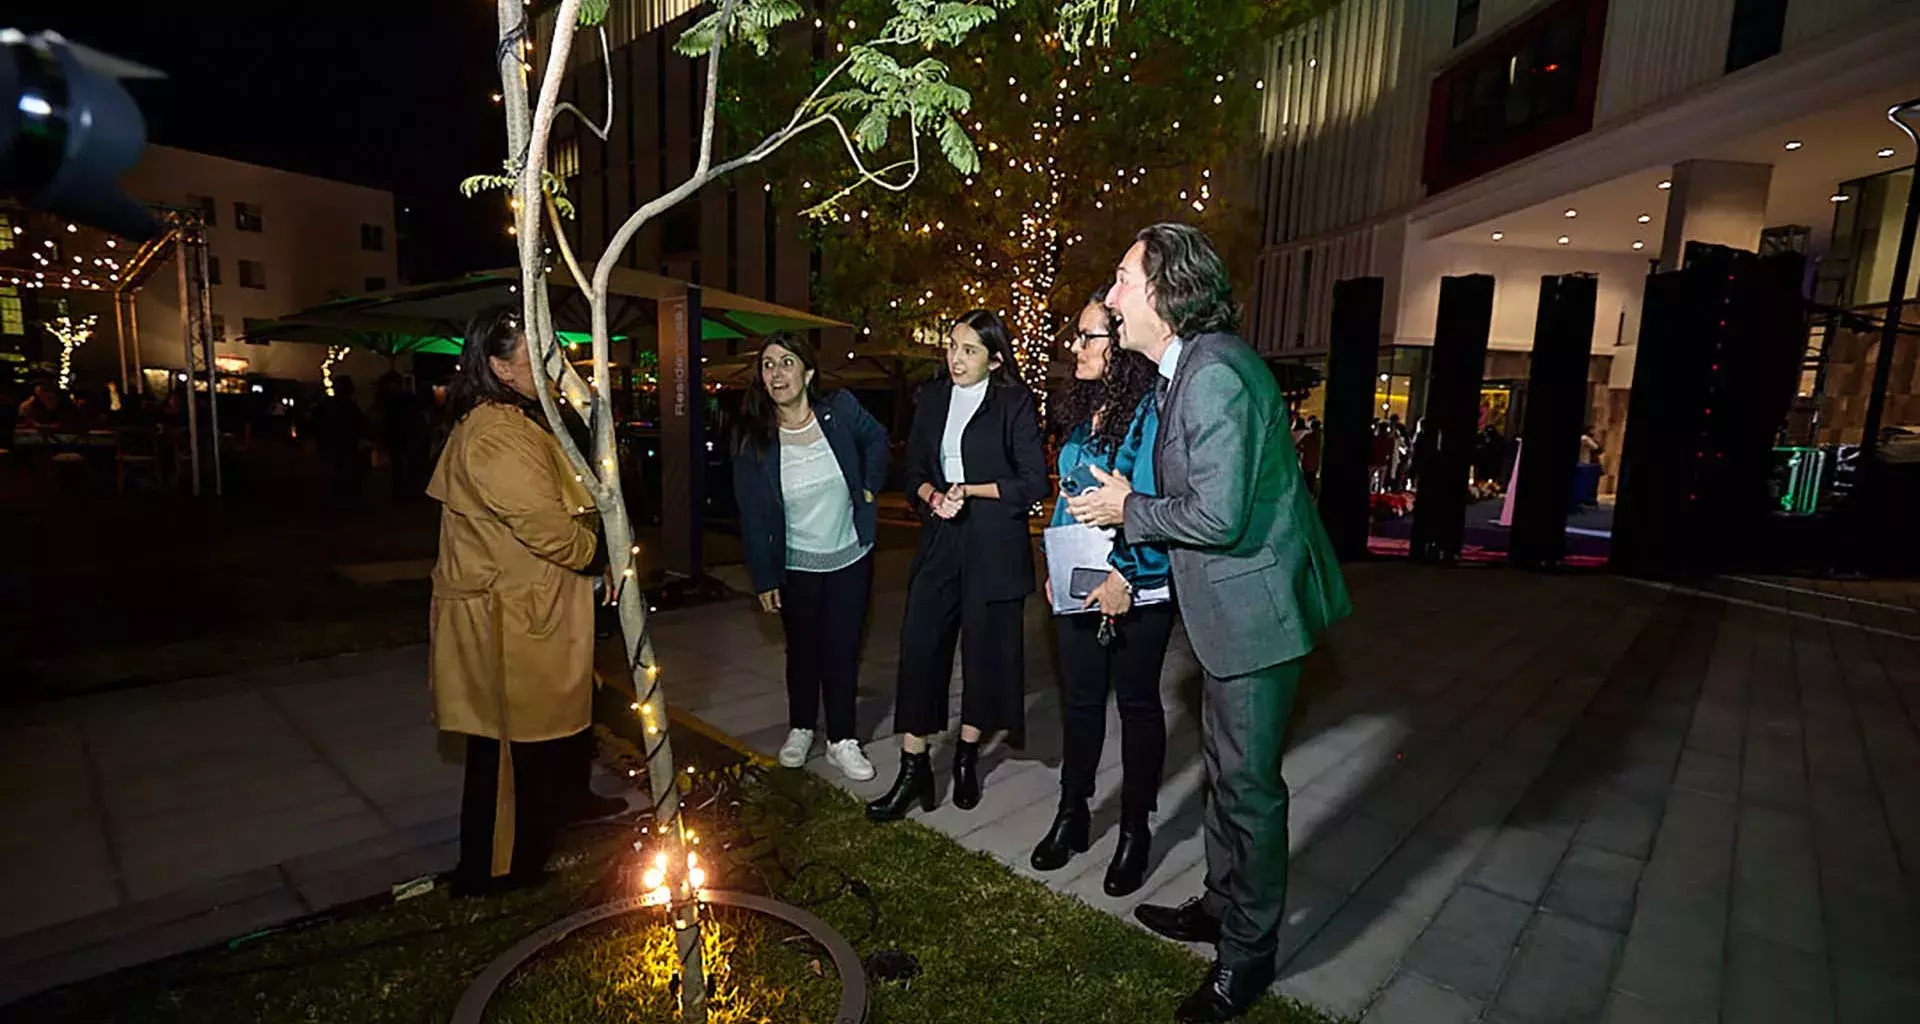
1715 372
1453 417
1352 360
1556 408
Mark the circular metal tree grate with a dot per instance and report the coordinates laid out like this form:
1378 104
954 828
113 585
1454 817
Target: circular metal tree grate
472 1008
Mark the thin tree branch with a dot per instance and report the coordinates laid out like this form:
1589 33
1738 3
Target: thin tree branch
606 60
720 30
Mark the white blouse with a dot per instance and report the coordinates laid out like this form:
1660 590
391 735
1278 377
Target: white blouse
819 507
966 402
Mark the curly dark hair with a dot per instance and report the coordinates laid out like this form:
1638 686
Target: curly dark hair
1129 377
1192 291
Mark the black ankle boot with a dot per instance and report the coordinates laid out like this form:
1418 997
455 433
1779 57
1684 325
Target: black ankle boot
1068 836
913 785
1128 872
966 775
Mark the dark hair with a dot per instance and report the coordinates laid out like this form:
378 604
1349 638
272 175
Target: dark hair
759 419
1191 289
491 334
998 341
1129 377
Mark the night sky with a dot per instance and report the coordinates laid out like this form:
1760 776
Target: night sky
392 95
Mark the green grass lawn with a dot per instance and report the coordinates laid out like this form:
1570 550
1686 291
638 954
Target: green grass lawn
992 946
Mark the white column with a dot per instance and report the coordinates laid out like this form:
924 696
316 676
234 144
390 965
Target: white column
1717 202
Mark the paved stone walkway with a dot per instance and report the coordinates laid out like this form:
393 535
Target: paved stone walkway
1516 798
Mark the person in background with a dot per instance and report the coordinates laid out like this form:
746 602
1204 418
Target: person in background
1590 447
1310 446
402 423
340 432
974 465
1104 416
805 473
49 408
1255 577
510 659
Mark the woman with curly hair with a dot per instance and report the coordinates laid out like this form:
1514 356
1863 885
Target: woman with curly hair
1105 416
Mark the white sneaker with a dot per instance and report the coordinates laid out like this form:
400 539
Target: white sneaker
793 753
847 756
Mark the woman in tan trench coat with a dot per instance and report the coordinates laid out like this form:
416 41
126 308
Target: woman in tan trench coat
511 656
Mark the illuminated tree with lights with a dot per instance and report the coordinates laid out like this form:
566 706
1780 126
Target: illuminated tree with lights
71 334
1093 121
885 100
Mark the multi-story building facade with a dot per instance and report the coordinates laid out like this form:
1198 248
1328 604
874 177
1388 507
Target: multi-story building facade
1416 139
277 242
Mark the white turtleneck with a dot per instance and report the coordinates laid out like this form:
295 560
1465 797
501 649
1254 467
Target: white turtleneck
960 410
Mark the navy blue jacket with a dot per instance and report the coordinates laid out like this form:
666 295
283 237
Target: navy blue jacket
858 441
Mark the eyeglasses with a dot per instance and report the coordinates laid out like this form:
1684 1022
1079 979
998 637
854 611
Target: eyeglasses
1079 338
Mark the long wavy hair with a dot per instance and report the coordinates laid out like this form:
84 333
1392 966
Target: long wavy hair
759 417
1128 379
492 333
1191 289
999 342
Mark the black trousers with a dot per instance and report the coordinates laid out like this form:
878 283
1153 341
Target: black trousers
1129 668
823 613
549 778
993 649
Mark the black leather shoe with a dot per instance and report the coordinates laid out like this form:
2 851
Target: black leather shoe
913 785
1227 994
1068 836
966 775
1128 872
1188 922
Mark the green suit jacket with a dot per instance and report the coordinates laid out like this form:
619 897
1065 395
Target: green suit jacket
1253 572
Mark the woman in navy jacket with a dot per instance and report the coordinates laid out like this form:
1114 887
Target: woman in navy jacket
805 472
975 465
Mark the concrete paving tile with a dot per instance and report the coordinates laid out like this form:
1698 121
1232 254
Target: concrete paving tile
1621 821
1341 969
1467 946
1350 850
1410 999
1768 981
1596 886
1560 971
1519 863
1873 997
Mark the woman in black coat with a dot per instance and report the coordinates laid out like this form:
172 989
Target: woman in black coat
805 471
974 466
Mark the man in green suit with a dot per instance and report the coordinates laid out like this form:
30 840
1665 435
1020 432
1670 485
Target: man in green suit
1254 576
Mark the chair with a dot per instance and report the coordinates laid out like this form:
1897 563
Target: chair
138 449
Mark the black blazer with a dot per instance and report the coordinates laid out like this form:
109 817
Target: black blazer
1000 445
859 442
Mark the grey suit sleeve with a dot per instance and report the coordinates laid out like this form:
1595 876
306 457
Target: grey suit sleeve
1215 413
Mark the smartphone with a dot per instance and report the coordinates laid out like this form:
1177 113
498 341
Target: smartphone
1081 479
1084 581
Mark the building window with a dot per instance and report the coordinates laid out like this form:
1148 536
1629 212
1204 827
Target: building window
253 274
209 213
246 217
1529 89
1466 21
13 318
219 327
213 270
1758 26
6 232
373 238
376 284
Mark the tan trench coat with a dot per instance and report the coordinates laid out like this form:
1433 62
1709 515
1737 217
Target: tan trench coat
511 654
